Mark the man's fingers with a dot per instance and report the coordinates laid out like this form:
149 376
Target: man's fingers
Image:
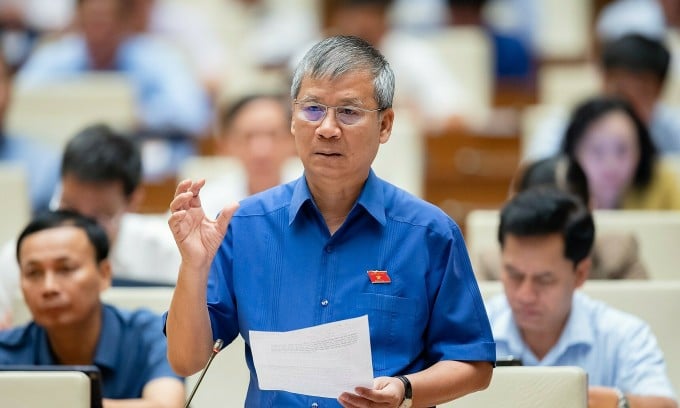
349 400
182 187
175 222
197 186
185 201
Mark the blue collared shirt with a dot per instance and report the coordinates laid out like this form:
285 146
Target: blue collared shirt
280 269
616 349
130 353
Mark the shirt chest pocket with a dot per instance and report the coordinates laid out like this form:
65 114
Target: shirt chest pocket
396 328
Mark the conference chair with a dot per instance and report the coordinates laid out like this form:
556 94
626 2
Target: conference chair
567 85
657 234
54 112
401 161
472 45
563 31
15 208
530 387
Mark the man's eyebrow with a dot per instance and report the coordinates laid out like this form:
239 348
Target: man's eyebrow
343 102
544 274
351 101
510 268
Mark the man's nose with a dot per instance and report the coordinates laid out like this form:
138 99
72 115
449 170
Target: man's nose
329 126
526 292
50 284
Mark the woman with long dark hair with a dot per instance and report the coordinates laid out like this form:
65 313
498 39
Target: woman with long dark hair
613 146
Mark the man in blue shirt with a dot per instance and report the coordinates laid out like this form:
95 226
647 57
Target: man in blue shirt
171 103
64 266
305 253
546 237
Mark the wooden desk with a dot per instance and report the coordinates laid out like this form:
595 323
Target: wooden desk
466 171
157 196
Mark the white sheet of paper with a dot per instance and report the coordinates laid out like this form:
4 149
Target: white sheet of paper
322 361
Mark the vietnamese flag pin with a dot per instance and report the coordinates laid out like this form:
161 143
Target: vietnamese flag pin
379 277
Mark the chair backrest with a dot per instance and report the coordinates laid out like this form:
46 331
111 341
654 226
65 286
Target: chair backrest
568 85
216 167
15 209
530 387
401 160
55 112
655 302
535 120
657 234
467 53
211 168
38 389
563 31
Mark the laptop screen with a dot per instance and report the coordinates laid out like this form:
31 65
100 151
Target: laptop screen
91 371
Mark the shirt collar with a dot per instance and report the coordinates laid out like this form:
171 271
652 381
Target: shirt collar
506 330
577 331
45 356
108 345
371 198
110 339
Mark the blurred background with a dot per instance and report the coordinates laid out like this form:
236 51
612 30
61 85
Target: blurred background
481 85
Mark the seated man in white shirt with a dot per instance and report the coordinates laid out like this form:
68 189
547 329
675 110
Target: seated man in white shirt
546 237
101 172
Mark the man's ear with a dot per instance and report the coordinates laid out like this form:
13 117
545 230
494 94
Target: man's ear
105 275
583 271
386 125
135 200
292 119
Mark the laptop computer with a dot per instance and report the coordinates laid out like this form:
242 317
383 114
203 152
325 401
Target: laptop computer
91 371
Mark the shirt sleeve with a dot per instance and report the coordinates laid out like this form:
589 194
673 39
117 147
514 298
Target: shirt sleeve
53 61
220 294
643 370
157 365
459 327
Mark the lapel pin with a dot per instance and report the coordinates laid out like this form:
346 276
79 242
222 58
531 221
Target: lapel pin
379 277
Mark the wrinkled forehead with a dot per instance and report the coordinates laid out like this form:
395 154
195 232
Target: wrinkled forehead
60 242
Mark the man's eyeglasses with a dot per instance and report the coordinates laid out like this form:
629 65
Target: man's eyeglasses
347 115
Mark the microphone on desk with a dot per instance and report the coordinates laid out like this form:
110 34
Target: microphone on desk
217 346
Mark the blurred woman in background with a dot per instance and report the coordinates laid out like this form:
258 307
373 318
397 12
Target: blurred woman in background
613 146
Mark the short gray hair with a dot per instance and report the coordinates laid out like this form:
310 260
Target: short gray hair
339 55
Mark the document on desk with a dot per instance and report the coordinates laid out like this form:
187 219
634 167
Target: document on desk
322 361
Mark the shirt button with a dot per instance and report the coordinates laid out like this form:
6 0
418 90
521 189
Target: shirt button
324 302
329 248
315 405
